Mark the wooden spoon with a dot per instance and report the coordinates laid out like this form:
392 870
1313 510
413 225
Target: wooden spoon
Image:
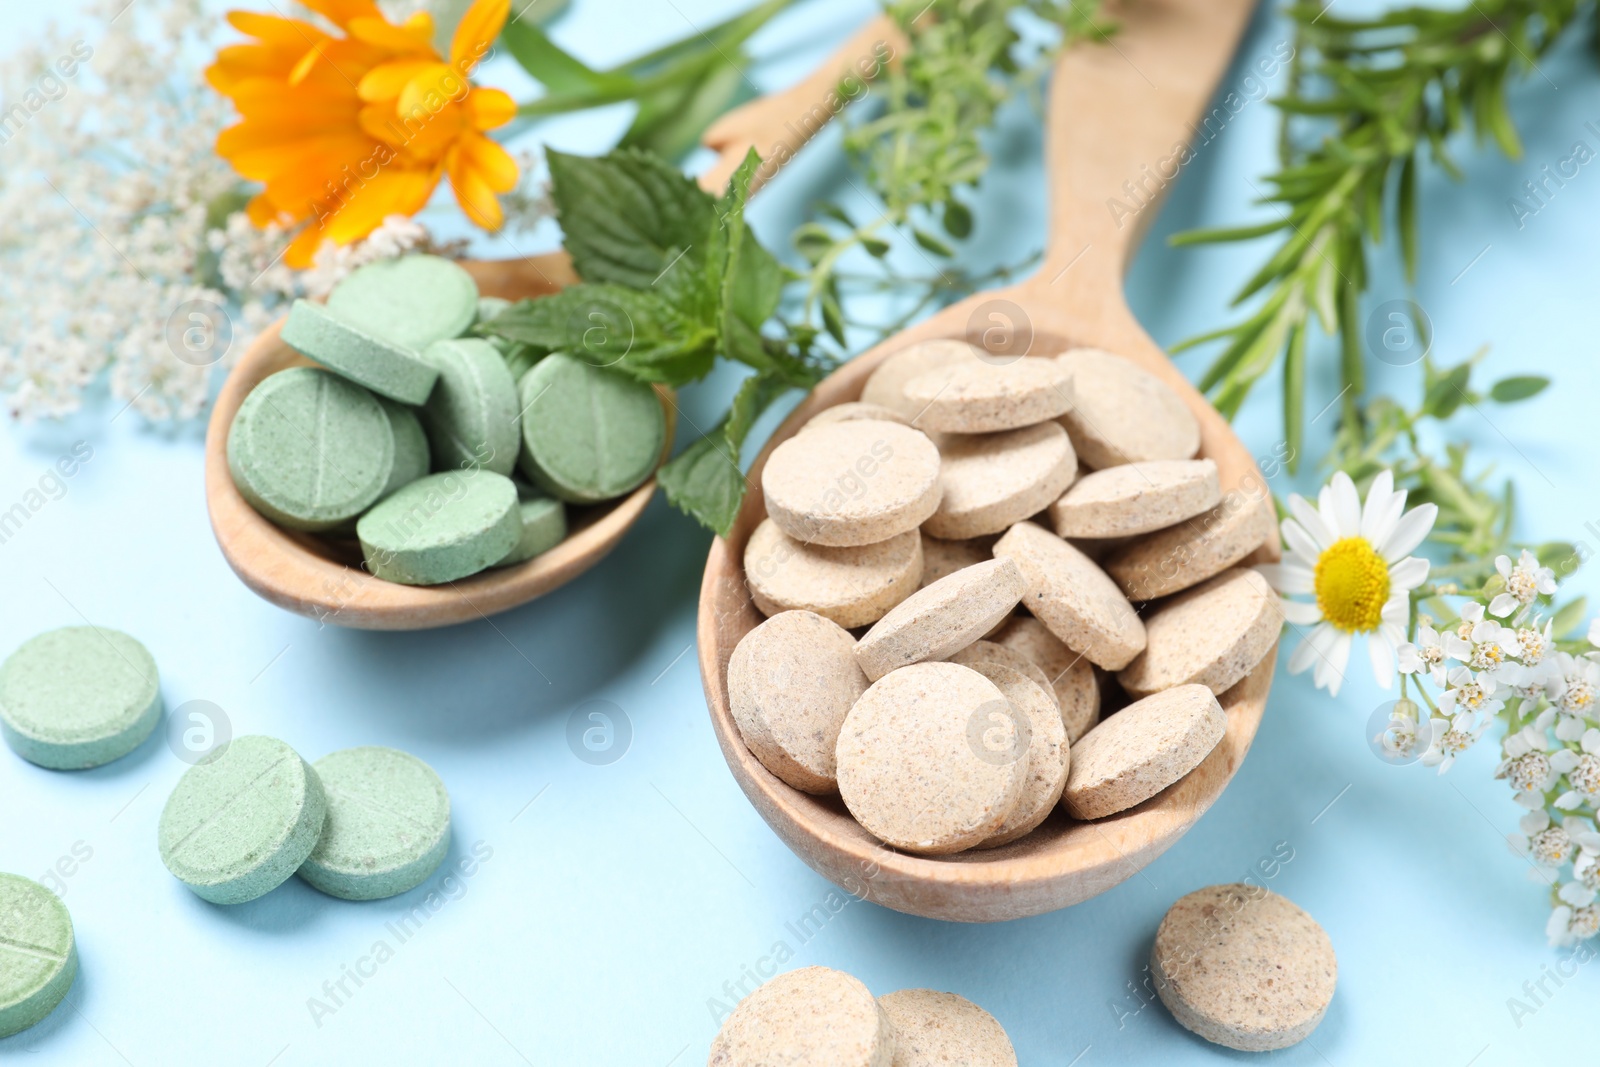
1115 107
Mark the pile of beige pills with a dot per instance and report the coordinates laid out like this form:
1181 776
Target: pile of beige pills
997 588
818 1017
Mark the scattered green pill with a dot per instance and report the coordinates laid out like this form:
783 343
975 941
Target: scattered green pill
38 954
544 524
472 418
78 697
441 528
352 350
411 301
588 433
388 824
242 820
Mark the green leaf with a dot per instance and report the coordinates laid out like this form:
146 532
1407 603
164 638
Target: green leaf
932 243
1294 394
706 480
1226 233
875 246
957 219
1407 208
1518 387
670 122
1569 618
1447 392
556 69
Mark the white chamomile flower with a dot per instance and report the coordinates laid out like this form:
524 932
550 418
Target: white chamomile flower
1582 769
1355 560
1525 580
1427 655
1568 925
1453 736
1574 684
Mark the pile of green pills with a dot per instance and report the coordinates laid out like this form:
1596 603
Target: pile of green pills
416 435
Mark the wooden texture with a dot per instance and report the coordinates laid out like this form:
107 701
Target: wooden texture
1114 109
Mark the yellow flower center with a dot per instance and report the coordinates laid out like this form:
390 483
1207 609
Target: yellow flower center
1352 583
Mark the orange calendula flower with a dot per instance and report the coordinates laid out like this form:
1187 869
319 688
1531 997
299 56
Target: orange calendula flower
344 131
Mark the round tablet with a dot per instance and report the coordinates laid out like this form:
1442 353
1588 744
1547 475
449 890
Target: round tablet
983 397
930 759
588 433
851 586
933 1029
1073 597
242 820
38 954
1136 498
941 558
78 697
791 682
1121 413
1142 749
1211 635
310 450
358 354
412 457
981 652
473 415
1071 674
1166 561
944 618
411 301
852 411
812 1017
1241 966
852 483
441 528
388 824
490 306
887 383
544 525
994 480
1047 756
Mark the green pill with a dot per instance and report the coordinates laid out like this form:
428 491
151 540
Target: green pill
442 527
310 450
490 306
473 417
519 358
388 824
78 697
411 301
242 820
38 954
588 433
544 524
360 355
412 457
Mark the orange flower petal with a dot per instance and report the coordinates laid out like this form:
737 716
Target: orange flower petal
476 31
340 12
488 109
392 192
386 35
385 81
473 193
429 135
261 211
275 30
492 162
430 88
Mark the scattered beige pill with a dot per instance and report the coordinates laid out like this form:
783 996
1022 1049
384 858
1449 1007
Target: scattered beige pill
852 483
941 558
918 762
982 652
994 480
1187 554
983 397
1243 967
1070 673
933 1029
812 1017
1073 597
1211 635
1046 753
791 682
850 412
886 385
942 619
1121 413
1136 753
851 586
1136 498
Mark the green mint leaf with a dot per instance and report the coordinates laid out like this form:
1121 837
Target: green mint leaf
1519 387
558 70
671 122
627 217
706 480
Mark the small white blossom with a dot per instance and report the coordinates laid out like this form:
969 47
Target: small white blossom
1425 655
1582 769
1453 736
1574 684
1525 581
1568 925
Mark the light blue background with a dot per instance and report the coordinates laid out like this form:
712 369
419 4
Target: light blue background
619 899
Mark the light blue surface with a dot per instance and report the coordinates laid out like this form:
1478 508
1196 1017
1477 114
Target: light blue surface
616 900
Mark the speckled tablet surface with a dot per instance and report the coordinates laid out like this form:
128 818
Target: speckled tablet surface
887 383
852 411
412 456
934 1029
852 483
410 300
38 953
1136 498
387 828
1211 635
544 524
851 586
1243 967
984 651
1071 674
1073 597
1121 413
941 558
356 353
441 528
811 1017
473 416
929 758
78 697
242 820
588 433
986 397
1164 562
941 619
1047 755
1136 753
994 480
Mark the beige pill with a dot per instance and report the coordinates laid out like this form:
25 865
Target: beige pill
1212 635
852 411
1136 498
1073 597
933 1029
1166 561
852 483
982 652
983 397
886 385
914 768
791 682
851 586
1136 753
1037 722
1121 413
1071 675
812 1017
1243 967
942 619
993 480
